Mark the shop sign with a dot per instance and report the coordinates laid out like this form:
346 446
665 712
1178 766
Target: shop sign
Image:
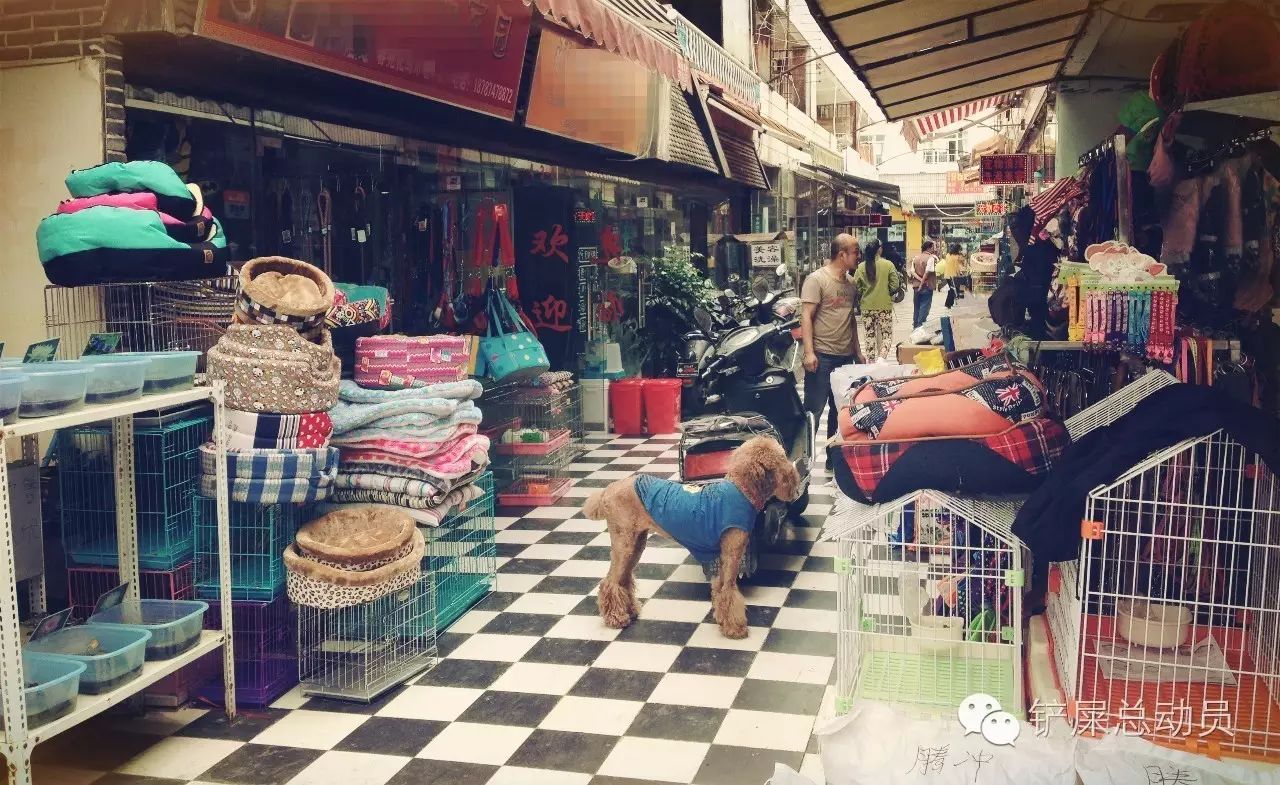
1006 169
589 94
453 182
989 208
766 255
468 54
956 184
642 201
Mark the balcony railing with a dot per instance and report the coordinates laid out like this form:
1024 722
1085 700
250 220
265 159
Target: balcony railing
705 55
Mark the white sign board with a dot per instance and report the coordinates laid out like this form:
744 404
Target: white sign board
766 255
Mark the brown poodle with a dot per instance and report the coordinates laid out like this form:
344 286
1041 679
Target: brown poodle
713 521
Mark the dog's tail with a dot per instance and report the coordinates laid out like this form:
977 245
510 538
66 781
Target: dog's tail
594 506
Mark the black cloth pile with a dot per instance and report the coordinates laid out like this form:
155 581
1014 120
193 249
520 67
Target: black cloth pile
1049 521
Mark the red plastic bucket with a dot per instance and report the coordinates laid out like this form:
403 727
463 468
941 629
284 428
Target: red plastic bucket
662 405
626 406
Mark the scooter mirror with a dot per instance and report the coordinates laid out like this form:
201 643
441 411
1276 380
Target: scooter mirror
780 270
760 289
703 319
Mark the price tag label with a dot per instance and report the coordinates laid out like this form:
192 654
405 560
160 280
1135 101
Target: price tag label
51 624
111 598
42 351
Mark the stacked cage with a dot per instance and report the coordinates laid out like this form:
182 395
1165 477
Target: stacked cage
537 435
463 556
929 601
166 471
1171 628
187 315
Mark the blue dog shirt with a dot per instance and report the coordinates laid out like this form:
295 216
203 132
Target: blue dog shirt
696 516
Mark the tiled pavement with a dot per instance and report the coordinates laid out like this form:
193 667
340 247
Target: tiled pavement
532 689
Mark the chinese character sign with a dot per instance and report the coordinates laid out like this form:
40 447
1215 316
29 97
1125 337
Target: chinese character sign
547 242
1011 169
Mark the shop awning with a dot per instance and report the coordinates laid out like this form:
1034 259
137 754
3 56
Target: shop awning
733 128
923 56
614 30
916 129
886 192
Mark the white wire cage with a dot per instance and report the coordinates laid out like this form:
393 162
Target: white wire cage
1178 596
929 601
359 652
185 315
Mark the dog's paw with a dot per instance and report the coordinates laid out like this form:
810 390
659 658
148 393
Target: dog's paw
617 621
734 631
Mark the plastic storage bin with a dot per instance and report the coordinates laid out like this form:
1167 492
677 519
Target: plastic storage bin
170 371
11 384
53 388
112 655
52 684
174 624
626 405
114 378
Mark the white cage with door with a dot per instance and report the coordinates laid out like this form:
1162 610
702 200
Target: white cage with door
1178 600
929 601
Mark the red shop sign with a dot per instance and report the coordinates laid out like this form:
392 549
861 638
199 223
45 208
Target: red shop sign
468 53
1010 169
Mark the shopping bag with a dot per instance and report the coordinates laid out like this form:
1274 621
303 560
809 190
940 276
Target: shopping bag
511 352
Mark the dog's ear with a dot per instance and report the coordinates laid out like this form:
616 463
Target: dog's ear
785 477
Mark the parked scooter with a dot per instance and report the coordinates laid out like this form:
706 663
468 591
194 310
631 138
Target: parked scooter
751 396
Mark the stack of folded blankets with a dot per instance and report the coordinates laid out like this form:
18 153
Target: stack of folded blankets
353 556
281 379
131 222
416 447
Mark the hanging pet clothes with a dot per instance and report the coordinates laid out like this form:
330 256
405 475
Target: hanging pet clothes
120 245
399 361
353 556
275 290
980 428
262 430
274 369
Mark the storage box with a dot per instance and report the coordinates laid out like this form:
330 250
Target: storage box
111 655
907 353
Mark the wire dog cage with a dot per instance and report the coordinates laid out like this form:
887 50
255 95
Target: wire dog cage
259 534
929 601
1178 636
463 556
166 471
361 651
188 315
86 584
266 655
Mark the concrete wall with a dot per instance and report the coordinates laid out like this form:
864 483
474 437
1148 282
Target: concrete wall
51 121
1084 120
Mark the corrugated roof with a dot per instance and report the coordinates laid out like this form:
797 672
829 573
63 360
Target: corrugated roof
921 56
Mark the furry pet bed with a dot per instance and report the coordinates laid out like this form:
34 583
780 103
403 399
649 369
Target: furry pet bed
316 584
278 290
356 537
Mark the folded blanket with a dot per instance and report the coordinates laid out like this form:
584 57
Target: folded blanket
348 416
272 464
430 489
465 390
274 369
272 491
428 513
263 430
429 443
454 459
467 413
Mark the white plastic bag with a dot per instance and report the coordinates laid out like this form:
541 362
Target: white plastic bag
1122 760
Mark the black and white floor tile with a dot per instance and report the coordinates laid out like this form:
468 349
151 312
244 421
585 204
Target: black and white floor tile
532 689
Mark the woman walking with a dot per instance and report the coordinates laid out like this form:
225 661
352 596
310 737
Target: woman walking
877 280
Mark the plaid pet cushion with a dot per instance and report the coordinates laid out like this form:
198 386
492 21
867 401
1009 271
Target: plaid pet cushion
272 465
1031 446
272 491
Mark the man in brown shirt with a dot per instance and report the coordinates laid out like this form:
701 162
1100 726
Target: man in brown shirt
828 327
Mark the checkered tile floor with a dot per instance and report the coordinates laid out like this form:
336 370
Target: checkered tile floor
532 689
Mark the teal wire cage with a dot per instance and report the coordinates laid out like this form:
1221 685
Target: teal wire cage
259 535
462 556
166 473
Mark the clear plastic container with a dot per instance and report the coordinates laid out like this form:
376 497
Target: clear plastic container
174 624
114 378
112 654
168 371
51 687
53 388
11 384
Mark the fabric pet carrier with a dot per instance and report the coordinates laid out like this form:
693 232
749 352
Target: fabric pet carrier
511 351
124 245
172 195
978 429
353 556
407 361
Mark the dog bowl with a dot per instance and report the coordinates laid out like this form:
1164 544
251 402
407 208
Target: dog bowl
1152 624
937 634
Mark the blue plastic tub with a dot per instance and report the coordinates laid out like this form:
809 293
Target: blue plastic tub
115 378
168 371
112 655
52 684
174 624
52 388
11 383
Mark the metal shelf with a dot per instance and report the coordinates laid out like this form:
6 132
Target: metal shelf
91 705
109 411
18 740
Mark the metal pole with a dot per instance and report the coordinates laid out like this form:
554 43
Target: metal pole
126 503
13 697
224 545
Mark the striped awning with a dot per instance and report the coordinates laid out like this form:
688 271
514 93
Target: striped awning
917 128
600 21
919 57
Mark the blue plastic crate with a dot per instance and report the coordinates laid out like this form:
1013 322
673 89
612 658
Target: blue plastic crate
259 535
166 473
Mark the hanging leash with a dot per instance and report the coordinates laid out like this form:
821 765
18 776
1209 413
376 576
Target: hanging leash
324 211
